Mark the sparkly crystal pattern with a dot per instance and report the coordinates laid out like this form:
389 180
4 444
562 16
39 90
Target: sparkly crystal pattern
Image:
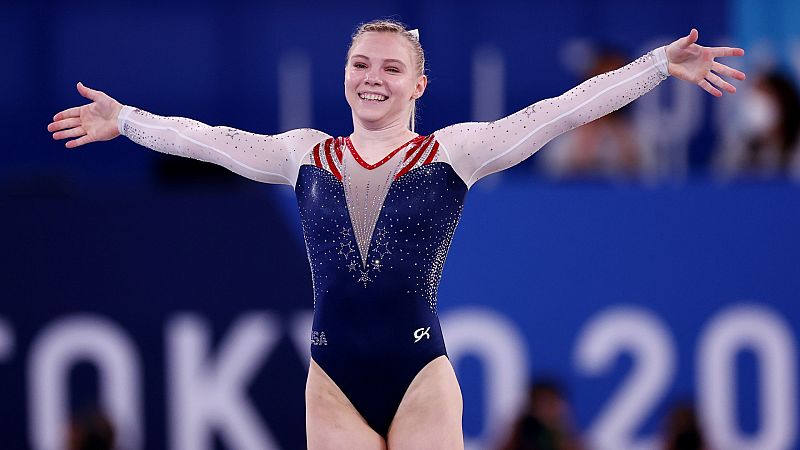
269 159
318 338
365 190
362 248
407 250
478 149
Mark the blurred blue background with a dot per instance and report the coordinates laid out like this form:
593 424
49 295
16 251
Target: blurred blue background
131 278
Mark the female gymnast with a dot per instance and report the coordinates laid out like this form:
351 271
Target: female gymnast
379 208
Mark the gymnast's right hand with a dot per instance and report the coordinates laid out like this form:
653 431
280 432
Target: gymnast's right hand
96 121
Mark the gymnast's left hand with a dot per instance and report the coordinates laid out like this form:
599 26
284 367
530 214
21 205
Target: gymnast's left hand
694 63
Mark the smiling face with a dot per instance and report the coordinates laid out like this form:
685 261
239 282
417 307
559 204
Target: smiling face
382 80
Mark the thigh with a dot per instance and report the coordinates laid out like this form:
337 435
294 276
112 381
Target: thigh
429 417
332 422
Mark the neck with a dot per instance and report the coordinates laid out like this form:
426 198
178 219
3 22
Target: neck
383 136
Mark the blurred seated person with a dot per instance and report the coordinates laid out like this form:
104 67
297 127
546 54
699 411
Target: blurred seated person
605 149
545 422
682 431
90 430
763 143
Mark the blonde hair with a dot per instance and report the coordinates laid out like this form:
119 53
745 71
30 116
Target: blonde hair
393 26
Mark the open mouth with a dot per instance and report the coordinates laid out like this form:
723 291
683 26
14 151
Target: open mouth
372 97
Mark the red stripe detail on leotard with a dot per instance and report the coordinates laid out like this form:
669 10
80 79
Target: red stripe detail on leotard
430 157
414 160
338 148
412 150
331 164
317 162
368 166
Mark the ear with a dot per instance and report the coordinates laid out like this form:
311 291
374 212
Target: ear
419 89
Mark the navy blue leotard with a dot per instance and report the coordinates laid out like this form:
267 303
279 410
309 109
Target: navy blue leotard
377 234
400 279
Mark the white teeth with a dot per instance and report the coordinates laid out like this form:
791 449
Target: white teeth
374 97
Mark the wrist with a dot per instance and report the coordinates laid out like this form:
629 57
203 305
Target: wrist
122 115
661 61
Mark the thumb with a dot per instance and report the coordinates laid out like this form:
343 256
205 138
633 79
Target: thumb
686 41
91 94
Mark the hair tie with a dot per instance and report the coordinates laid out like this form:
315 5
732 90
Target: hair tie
415 33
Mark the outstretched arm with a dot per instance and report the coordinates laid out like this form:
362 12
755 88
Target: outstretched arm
477 149
269 159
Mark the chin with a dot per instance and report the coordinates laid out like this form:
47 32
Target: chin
369 118
370 114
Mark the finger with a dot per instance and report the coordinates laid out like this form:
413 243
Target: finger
62 124
709 88
719 82
78 142
720 52
722 69
686 41
71 133
72 112
91 94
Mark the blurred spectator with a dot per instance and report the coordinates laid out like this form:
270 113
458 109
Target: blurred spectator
545 422
682 430
91 430
607 148
763 143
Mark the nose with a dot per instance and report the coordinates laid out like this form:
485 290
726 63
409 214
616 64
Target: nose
371 77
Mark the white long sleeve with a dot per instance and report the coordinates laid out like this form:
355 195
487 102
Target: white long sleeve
477 149
268 159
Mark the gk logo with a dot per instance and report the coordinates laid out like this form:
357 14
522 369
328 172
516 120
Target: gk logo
420 333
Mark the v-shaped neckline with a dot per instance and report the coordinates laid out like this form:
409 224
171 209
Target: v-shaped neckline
386 158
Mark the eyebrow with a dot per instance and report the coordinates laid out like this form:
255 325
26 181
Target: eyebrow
385 60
